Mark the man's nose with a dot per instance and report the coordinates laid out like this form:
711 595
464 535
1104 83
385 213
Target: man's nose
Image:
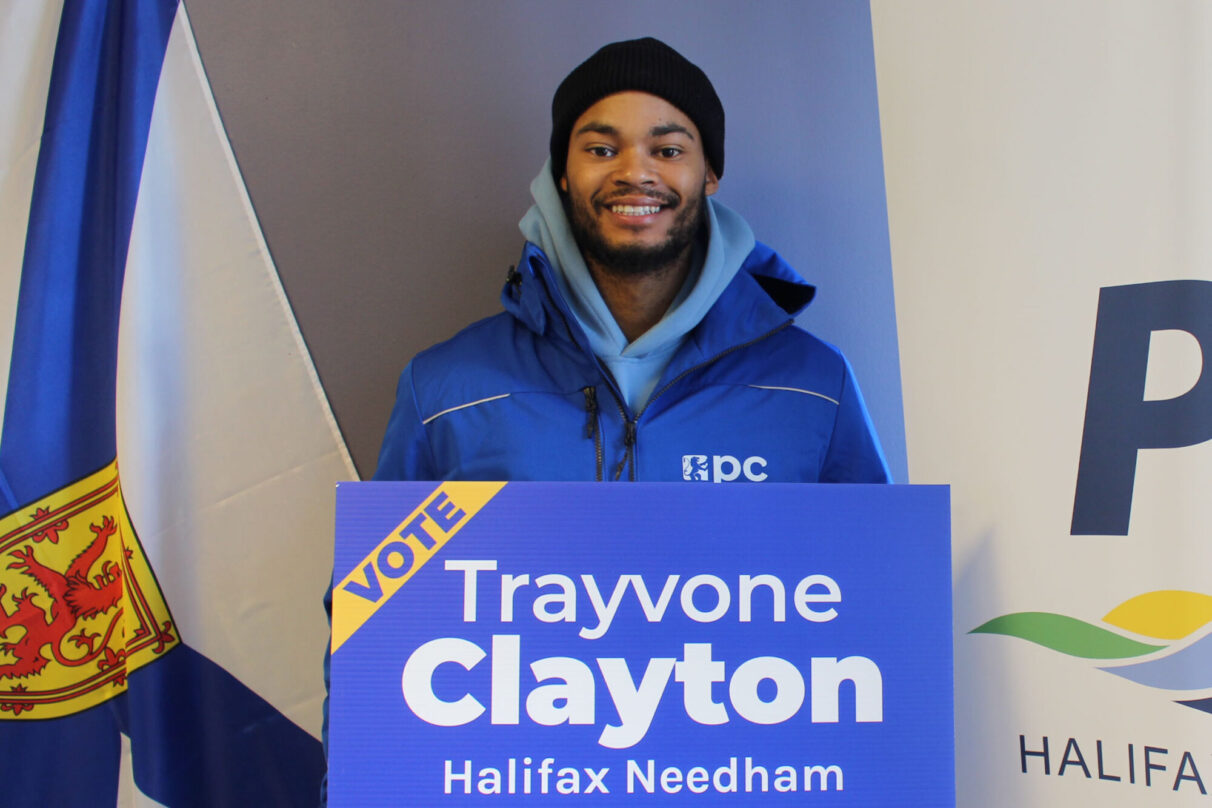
636 167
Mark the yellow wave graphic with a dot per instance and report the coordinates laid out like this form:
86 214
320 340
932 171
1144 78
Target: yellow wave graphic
1168 614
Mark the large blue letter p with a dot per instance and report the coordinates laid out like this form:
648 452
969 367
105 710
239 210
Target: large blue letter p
1119 421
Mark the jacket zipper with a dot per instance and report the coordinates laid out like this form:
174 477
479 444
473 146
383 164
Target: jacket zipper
629 425
591 426
628 447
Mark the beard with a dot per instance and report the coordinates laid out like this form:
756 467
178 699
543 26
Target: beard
636 259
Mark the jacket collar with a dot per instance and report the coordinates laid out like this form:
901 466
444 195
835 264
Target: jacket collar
765 294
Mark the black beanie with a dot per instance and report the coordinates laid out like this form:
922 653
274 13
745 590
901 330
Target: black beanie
647 65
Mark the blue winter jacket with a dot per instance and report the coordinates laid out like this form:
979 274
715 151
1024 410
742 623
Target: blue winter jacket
747 396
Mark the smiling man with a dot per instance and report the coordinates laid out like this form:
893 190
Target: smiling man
646 334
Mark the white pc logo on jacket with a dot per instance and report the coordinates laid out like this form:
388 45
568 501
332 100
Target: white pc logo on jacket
723 468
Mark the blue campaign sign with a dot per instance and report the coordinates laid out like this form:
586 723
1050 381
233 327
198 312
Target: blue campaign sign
666 643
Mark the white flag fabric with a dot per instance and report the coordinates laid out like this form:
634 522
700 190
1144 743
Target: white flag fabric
228 450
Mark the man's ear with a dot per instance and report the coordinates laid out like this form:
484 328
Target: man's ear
564 183
712 183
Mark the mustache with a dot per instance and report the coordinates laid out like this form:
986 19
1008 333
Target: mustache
668 200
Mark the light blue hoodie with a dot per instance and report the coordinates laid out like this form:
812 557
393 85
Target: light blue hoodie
636 366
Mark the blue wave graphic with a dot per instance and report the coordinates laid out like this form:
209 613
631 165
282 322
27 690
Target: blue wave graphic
1188 669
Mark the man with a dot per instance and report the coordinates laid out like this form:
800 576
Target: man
646 335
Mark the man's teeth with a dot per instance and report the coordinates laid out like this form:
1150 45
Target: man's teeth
635 210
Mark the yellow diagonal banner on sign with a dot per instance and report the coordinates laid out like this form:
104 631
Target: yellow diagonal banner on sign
403 552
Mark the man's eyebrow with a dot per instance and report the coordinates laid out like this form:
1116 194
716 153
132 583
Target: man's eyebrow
669 129
598 128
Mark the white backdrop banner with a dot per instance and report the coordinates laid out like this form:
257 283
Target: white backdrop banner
1049 177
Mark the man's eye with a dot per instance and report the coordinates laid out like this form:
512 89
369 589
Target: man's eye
669 152
601 151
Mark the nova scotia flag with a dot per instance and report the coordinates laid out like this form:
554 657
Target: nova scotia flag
168 456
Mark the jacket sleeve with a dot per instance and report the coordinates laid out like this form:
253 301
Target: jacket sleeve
405 454
854 454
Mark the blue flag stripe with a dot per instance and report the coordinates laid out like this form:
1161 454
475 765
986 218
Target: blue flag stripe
200 737
59 415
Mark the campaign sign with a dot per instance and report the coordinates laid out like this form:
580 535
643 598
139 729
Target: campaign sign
663 643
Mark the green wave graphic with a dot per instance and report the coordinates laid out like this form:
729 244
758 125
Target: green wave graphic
1067 635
